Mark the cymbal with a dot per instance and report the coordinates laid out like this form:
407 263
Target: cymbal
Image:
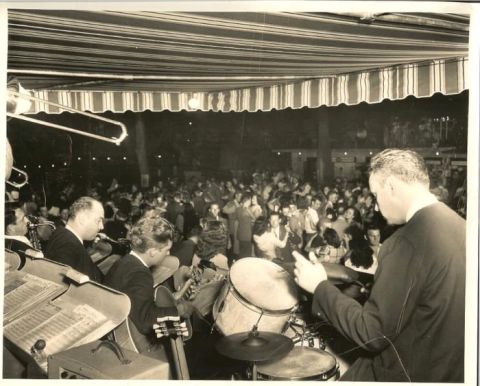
254 346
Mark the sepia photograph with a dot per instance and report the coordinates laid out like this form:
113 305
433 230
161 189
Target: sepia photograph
241 191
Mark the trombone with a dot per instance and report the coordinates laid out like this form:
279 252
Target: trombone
116 140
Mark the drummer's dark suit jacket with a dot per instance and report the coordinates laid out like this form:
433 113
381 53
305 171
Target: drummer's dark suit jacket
416 306
130 276
66 248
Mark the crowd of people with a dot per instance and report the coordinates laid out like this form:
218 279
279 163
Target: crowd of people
268 216
211 224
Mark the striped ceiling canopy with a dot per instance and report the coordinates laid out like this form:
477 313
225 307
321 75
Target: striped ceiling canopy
124 60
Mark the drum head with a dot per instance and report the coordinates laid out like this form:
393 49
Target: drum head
300 363
264 284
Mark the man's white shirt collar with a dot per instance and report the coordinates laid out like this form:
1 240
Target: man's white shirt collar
23 239
139 258
75 233
420 203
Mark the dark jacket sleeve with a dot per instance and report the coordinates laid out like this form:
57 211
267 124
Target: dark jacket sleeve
64 252
144 312
386 310
72 253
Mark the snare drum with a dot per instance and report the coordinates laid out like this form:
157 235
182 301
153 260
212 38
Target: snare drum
257 290
300 364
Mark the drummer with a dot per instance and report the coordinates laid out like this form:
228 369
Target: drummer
413 321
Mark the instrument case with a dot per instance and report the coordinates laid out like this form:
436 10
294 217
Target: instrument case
105 360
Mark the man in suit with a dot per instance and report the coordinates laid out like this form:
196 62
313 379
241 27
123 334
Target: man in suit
151 239
66 243
413 321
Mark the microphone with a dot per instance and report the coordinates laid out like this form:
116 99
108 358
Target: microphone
103 236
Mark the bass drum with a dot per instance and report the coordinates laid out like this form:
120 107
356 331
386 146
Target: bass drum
257 291
300 364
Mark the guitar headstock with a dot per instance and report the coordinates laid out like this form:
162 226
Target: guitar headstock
171 326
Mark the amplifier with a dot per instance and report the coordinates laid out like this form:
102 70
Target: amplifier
105 360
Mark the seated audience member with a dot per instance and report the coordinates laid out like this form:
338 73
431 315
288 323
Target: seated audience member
66 243
151 239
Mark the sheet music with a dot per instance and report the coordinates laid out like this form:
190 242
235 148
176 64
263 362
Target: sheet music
22 291
60 328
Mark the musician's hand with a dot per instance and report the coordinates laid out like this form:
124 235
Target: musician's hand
185 309
191 292
308 275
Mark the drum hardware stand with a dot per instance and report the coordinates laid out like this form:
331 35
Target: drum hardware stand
254 340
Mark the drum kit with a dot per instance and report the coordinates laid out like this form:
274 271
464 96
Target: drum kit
256 313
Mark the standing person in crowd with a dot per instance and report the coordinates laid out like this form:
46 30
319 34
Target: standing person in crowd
63 219
413 322
273 238
312 218
213 214
117 228
187 219
212 246
331 251
174 207
185 249
373 237
244 220
230 209
66 243
340 224
199 202
352 216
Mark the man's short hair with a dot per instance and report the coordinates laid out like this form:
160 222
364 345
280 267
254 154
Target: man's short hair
406 165
150 231
82 204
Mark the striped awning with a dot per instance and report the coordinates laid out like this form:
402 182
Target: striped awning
397 82
233 61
